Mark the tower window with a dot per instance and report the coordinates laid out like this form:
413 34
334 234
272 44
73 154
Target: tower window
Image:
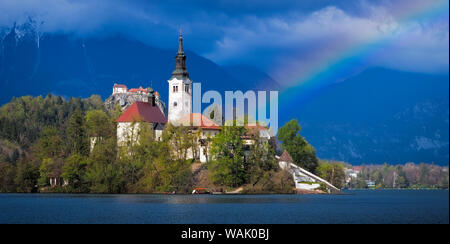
175 88
175 104
186 88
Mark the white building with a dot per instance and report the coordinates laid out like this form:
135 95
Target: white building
119 88
196 123
140 112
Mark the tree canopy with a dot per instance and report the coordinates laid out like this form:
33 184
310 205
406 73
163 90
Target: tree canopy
303 154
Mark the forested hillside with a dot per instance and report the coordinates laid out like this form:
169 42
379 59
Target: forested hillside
51 138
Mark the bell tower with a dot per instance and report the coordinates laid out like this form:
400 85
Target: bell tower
180 87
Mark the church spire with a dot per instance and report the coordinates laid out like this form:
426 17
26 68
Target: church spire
180 60
180 43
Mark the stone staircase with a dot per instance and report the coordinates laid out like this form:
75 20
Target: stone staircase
298 173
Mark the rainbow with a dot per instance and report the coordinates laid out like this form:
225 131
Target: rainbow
307 79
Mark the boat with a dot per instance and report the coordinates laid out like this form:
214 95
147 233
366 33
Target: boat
200 190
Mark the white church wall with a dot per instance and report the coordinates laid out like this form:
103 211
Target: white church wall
119 90
158 135
127 131
180 102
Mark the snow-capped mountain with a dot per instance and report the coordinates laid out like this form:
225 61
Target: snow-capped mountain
35 63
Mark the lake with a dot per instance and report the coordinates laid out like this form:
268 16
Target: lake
359 206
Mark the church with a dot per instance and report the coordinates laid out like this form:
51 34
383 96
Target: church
179 111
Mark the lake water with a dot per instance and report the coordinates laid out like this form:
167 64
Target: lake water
360 206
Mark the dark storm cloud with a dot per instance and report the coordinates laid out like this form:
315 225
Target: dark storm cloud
262 33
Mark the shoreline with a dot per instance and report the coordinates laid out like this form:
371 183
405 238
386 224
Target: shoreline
343 192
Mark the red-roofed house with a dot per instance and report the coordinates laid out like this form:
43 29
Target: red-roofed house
198 120
357 169
128 122
263 132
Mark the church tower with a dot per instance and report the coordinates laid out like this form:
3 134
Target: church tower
180 87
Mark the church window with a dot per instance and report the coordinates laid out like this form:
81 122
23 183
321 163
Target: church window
186 88
175 104
175 88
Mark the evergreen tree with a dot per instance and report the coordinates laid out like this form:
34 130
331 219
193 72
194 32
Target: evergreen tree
77 133
302 153
50 143
27 176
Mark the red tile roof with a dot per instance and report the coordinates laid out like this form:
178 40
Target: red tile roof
286 157
198 120
140 89
256 126
119 86
142 111
357 168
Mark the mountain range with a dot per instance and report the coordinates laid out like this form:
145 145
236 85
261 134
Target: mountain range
62 64
377 116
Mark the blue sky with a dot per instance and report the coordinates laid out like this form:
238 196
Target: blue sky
270 35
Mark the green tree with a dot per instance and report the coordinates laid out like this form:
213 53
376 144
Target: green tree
154 158
50 143
136 155
45 169
227 148
27 176
179 139
94 102
7 174
261 161
104 173
74 171
117 112
332 172
424 172
400 178
98 124
301 151
77 133
164 164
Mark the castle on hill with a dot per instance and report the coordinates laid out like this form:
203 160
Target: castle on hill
125 97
